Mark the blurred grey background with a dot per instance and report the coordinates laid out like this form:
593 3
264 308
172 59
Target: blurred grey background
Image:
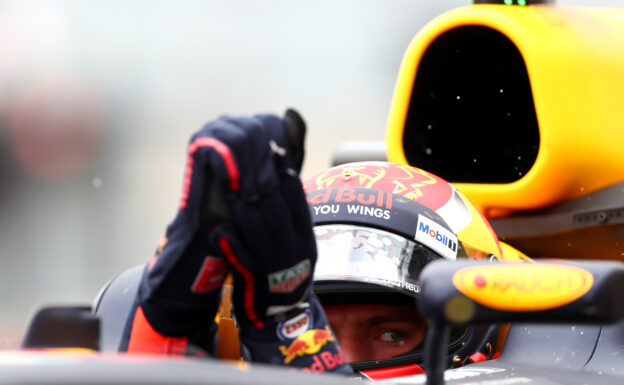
99 98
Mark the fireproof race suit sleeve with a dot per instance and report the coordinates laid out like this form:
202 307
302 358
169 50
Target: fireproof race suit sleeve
243 210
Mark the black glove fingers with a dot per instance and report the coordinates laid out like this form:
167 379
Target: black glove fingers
296 129
267 240
245 138
293 196
262 149
267 228
209 161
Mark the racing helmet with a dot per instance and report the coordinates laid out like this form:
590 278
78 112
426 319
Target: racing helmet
377 224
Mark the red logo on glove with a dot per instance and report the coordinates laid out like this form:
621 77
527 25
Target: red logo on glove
210 276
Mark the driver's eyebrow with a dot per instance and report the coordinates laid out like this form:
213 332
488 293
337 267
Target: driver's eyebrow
396 317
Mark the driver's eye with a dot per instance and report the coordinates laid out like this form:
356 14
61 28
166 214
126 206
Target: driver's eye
391 336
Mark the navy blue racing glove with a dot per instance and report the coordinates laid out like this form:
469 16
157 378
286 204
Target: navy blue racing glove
243 210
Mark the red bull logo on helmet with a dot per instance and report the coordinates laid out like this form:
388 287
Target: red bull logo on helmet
436 237
406 181
310 342
376 198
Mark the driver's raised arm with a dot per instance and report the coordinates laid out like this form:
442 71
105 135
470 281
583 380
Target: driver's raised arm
242 211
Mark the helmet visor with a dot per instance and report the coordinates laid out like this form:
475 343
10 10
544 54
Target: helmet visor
357 254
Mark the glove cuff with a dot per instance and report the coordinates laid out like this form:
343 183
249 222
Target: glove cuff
304 340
